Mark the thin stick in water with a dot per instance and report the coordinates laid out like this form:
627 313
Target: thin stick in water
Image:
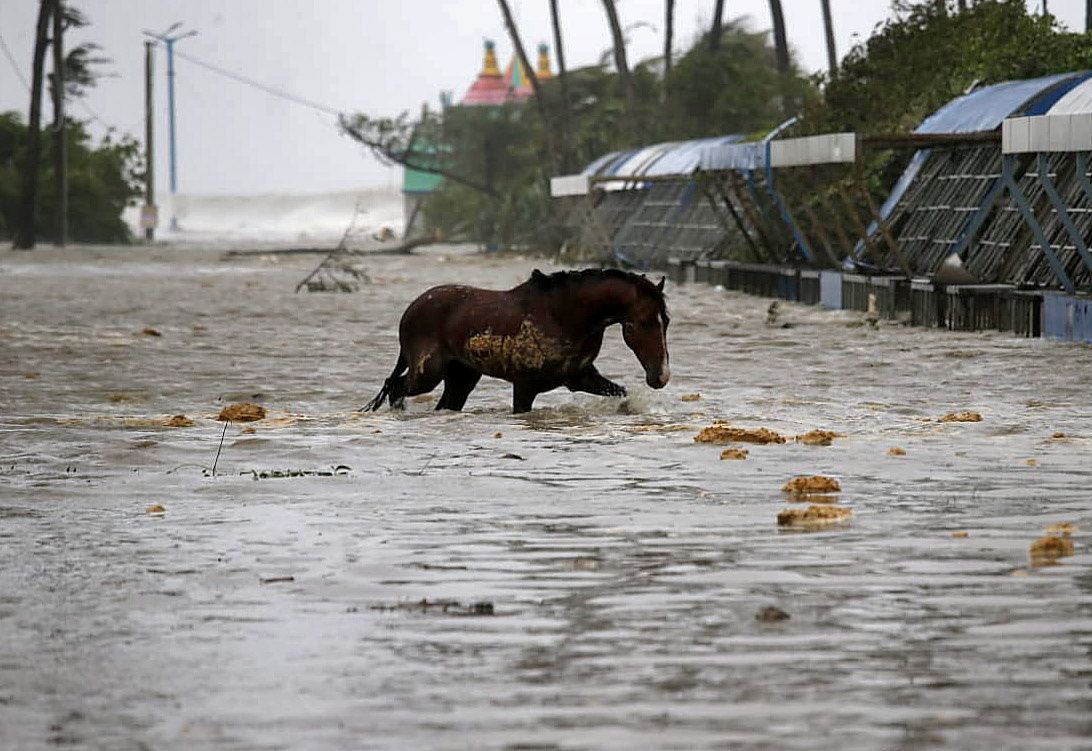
220 447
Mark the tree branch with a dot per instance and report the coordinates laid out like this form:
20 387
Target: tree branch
384 144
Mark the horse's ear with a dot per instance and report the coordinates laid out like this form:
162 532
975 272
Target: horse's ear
660 286
538 276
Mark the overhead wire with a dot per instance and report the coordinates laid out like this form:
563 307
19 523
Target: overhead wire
271 90
14 65
237 77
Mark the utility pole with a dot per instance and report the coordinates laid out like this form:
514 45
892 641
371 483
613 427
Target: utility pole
149 217
60 141
169 40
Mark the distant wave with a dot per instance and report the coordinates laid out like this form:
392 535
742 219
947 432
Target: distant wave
277 217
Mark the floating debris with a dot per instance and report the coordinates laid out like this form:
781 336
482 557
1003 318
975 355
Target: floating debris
1059 436
149 332
733 453
449 607
498 434
1032 462
121 398
179 421
966 416
803 484
247 431
278 474
723 433
32 375
818 437
896 451
276 579
513 456
771 614
155 508
658 428
1061 528
961 535
1047 550
690 397
813 516
242 412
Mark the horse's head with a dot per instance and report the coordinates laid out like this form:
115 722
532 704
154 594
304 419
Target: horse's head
644 329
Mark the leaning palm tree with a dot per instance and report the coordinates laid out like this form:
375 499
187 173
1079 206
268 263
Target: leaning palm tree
540 100
828 27
781 42
715 29
620 56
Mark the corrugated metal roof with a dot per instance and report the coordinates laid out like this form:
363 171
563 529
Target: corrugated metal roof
985 108
735 156
686 156
603 163
670 158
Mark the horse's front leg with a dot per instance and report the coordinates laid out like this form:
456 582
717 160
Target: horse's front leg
591 381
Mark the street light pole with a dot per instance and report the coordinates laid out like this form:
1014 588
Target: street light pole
168 39
148 218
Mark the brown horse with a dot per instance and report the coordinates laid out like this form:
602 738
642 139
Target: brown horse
540 335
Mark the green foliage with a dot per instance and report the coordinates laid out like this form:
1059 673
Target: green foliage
925 55
102 180
929 53
497 161
735 89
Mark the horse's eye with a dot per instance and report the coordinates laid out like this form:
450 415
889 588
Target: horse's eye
628 326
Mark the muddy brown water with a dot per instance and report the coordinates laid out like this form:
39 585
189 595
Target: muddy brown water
625 564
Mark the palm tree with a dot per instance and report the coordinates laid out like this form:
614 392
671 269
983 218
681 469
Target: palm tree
620 56
781 42
669 34
25 229
563 82
828 27
715 31
517 42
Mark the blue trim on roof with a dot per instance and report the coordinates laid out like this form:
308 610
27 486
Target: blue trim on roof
1043 104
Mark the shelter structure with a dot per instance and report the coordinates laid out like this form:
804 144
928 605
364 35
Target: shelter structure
641 207
947 193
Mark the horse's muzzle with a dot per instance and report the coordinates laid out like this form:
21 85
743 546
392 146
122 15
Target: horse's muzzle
658 381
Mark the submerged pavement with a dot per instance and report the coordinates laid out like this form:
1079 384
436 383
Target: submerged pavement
583 576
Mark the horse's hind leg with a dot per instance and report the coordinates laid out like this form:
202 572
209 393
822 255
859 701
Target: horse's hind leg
426 370
459 381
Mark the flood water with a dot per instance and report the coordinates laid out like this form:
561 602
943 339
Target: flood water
584 576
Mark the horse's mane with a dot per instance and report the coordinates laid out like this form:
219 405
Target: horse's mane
562 279
571 278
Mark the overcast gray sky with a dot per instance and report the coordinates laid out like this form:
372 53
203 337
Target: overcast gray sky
375 56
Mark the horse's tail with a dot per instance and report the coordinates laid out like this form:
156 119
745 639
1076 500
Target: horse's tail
400 367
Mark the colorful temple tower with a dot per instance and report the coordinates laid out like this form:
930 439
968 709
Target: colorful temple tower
490 89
